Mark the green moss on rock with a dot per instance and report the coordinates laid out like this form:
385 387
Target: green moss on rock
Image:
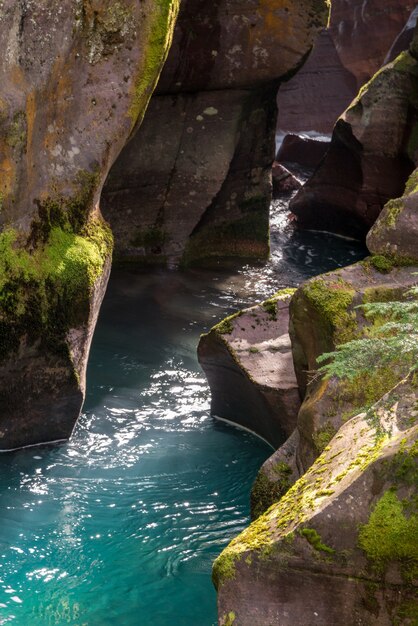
45 291
391 536
270 305
314 538
268 490
323 436
159 40
332 301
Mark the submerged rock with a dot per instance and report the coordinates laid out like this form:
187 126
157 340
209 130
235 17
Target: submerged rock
201 191
283 180
247 359
76 80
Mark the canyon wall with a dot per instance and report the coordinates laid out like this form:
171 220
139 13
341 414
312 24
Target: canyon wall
75 82
194 184
345 56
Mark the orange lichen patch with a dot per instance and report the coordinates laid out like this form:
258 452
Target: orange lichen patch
7 176
30 124
17 77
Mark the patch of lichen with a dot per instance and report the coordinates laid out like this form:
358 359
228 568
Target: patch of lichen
270 305
45 290
268 490
228 619
391 536
106 29
17 131
332 301
160 35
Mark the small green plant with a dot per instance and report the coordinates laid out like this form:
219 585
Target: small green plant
392 339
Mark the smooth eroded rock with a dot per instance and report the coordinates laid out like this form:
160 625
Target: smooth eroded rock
201 191
341 546
75 81
372 153
247 359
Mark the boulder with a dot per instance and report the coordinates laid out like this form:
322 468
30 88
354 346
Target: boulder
395 232
324 313
372 153
247 359
201 191
75 82
283 179
341 546
305 151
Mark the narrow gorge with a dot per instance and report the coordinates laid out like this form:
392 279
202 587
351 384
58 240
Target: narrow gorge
246 173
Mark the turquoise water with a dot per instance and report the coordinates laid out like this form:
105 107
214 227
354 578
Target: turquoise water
121 524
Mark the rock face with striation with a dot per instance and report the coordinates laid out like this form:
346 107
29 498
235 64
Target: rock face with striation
75 81
364 31
195 182
373 150
360 36
247 359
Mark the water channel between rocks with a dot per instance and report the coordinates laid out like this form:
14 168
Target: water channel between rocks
121 524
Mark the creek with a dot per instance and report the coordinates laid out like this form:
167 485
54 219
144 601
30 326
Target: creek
121 524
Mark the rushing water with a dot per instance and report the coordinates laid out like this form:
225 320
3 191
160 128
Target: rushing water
121 524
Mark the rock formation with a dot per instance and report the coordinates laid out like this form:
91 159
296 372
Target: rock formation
341 546
353 471
247 359
344 57
395 232
202 190
364 30
76 79
314 98
373 150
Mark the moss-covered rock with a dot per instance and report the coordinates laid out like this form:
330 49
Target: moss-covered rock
325 314
75 83
395 232
332 531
